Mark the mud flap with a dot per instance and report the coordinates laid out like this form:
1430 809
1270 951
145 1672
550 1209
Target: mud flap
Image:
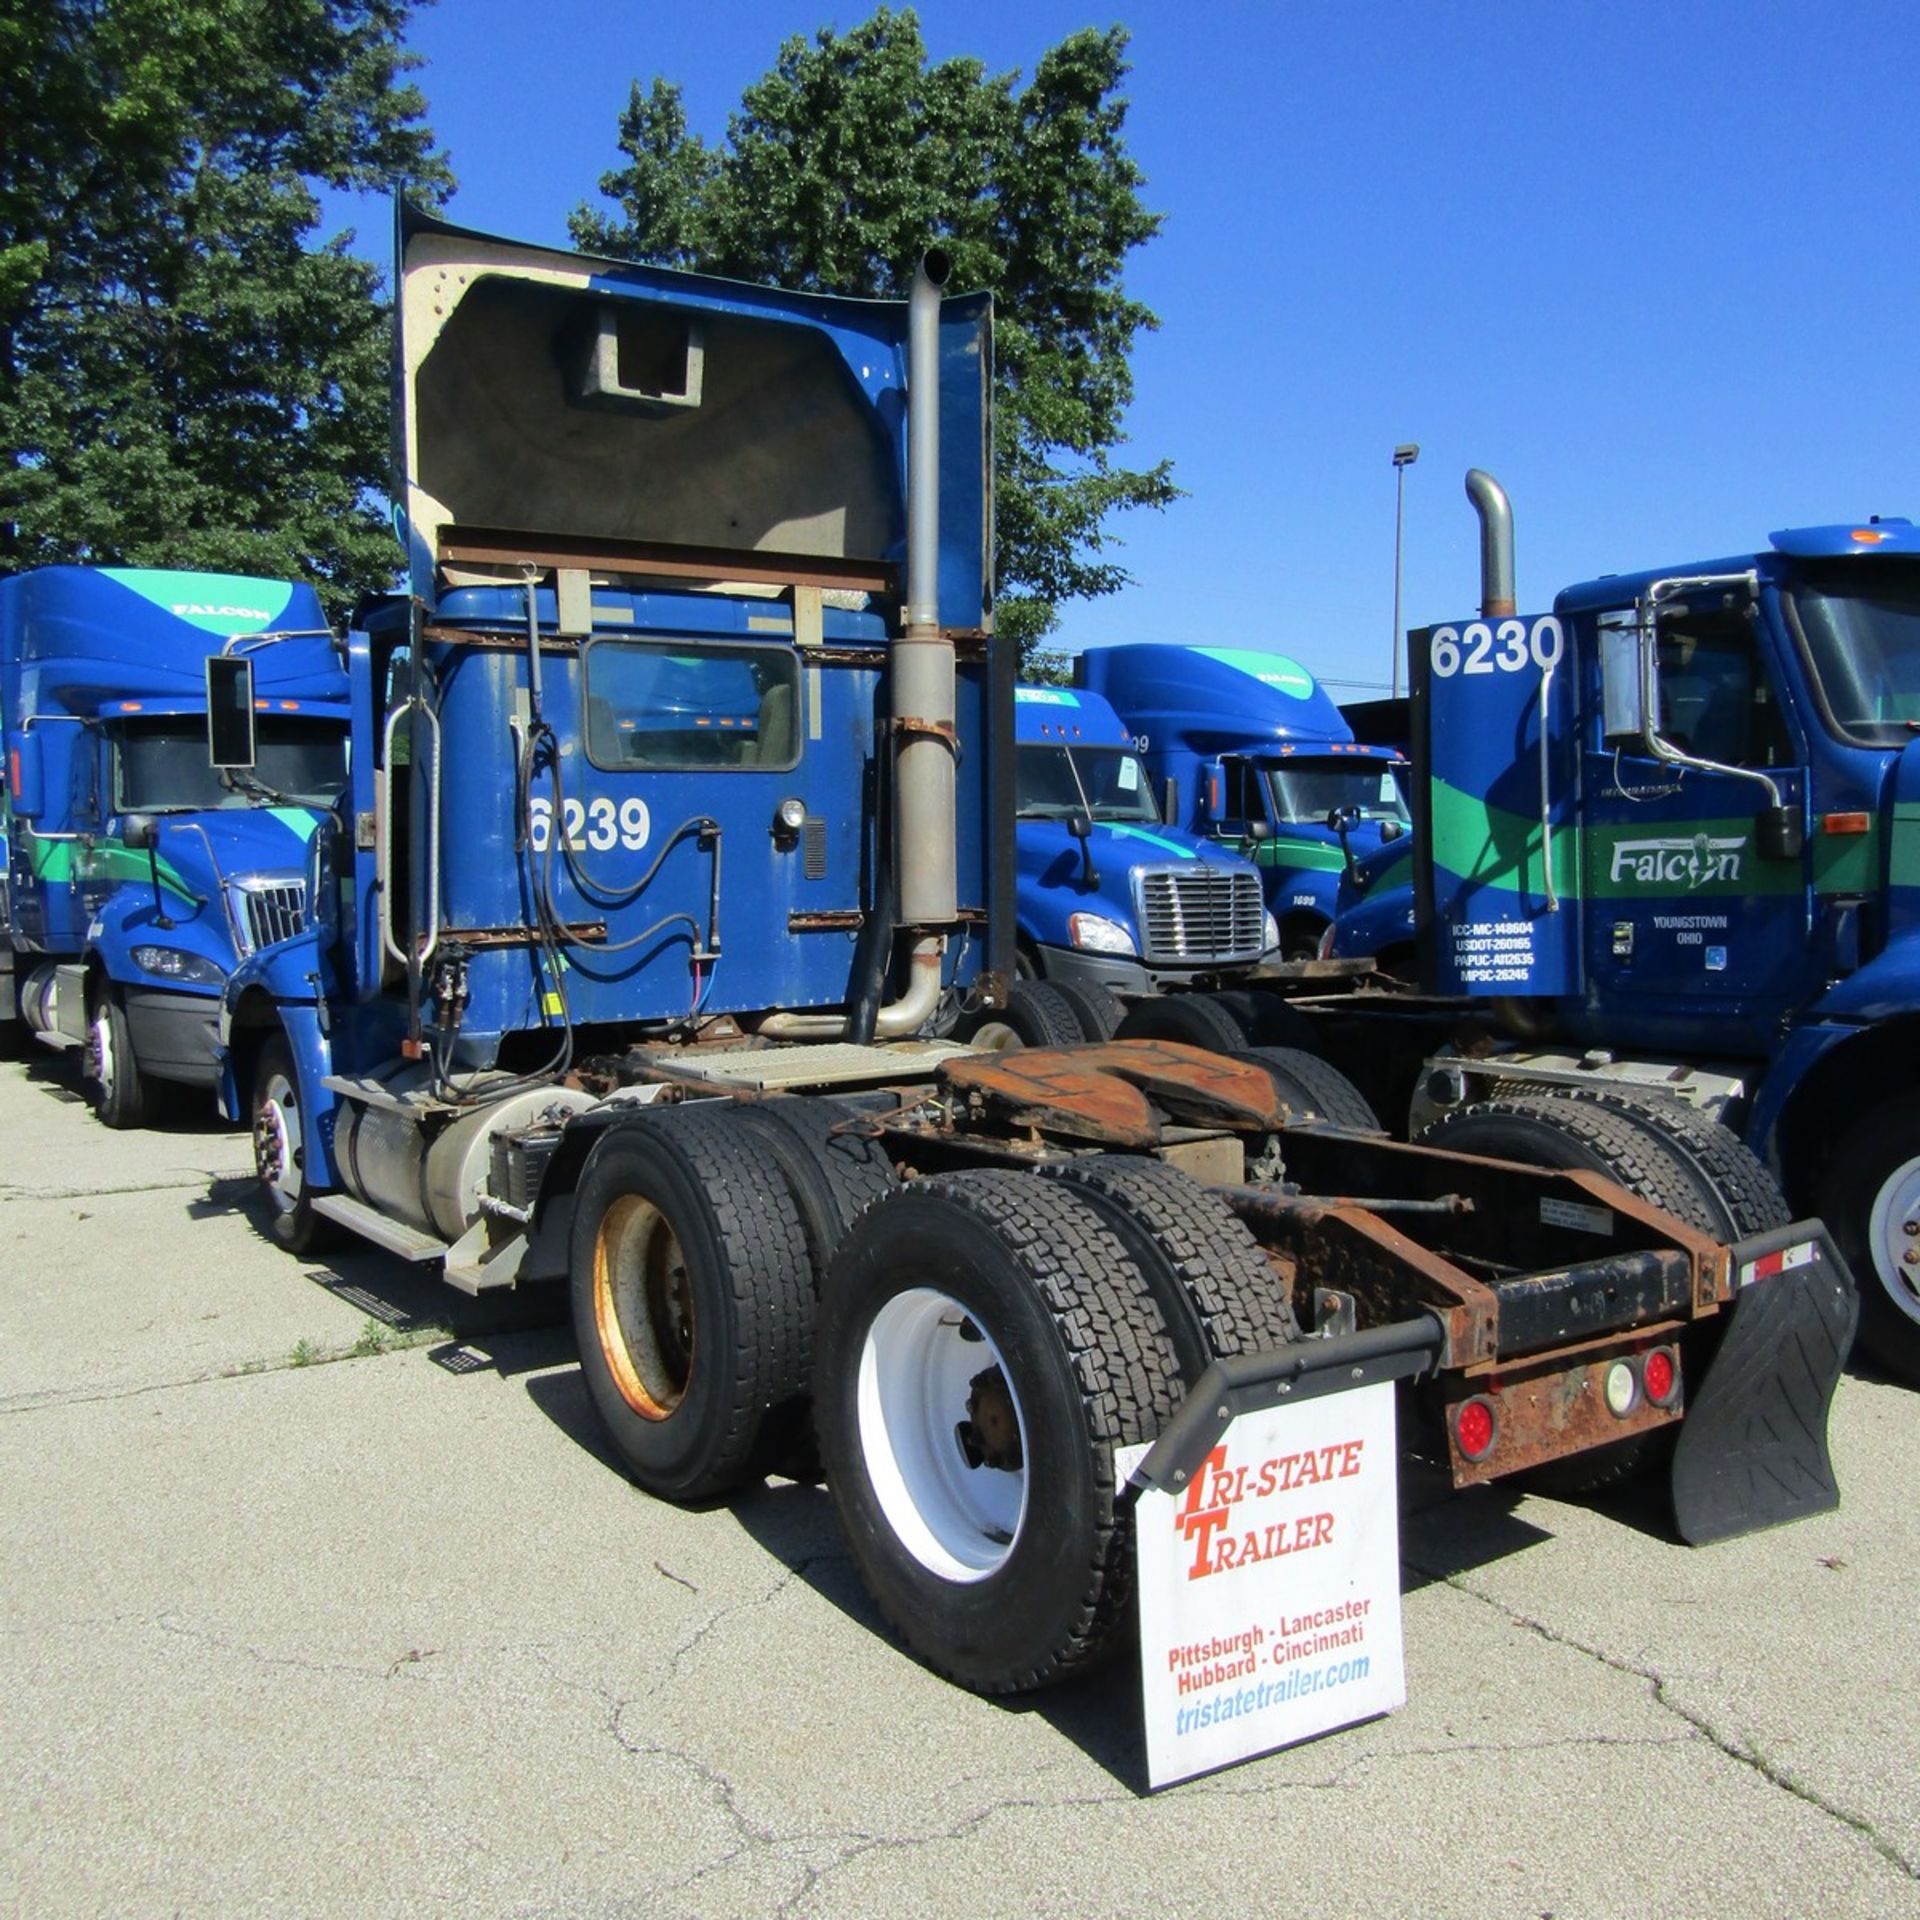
1752 1450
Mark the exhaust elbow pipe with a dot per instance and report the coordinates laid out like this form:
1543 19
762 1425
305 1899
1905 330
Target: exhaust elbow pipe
1490 502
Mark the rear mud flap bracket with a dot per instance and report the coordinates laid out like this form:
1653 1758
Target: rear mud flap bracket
1244 1383
1752 1451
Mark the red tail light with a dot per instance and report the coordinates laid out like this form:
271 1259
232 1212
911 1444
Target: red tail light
1660 1374
1475 1428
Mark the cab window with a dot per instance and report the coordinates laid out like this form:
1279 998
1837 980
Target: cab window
687 705
1716 702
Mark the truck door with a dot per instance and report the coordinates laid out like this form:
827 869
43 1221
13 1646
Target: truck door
1688 912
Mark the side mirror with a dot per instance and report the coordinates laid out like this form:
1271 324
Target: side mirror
1390 830
1342 820
26 777
1080 825
1258 830
1780 833
140 831
230 739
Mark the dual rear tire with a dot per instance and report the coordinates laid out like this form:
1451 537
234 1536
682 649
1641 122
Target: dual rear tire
981 1343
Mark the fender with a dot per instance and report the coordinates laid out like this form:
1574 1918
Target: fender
312 1063
1886 987
288 976
1865 1030
291 974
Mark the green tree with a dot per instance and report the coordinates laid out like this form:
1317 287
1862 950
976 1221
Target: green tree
184 380
849 158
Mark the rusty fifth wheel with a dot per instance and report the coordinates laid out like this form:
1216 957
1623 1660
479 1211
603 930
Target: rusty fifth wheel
985 1343
692 1298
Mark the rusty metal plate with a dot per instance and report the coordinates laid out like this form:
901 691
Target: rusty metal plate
1118 1093
1558 1408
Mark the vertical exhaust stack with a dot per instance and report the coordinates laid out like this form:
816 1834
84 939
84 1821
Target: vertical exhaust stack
1490 502
923 673
925 856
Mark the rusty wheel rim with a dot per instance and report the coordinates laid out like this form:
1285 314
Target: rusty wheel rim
643 1307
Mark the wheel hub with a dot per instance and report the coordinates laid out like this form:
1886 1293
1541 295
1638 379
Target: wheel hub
643 1307
930 1419
269 1145
99 1066
990 1434
1895 1237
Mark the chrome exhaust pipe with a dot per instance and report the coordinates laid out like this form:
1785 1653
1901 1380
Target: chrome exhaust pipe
1490 502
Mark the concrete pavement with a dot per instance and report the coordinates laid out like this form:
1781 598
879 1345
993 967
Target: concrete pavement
294 1632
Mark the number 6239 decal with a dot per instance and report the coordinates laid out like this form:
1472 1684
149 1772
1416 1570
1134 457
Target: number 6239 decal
596 824
1496 646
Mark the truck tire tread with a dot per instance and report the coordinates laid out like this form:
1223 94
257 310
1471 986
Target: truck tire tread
1032 1262
745 1249
1218 1293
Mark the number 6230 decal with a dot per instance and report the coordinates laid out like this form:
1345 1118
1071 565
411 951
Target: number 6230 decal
1496 646
597 824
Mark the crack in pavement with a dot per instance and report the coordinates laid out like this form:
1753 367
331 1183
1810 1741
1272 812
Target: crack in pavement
189 1177
1727 1744
395 1342
173 1624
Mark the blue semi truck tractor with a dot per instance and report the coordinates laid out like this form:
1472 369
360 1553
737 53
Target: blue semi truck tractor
1247 749
1112 901
137 873
682 795
1667 844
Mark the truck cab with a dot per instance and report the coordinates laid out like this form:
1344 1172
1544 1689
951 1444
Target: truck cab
1670 826
1109 895
138 874
1256 757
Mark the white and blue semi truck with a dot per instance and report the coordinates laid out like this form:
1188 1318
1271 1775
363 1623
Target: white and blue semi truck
1111 902
683 794
137 872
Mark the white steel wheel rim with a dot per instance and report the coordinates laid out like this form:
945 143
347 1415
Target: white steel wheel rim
960 1522
276 1143
1894 1207
102 1063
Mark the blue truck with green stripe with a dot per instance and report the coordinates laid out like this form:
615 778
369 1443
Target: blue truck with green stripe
137 873
1109 895
1667 842
1251 754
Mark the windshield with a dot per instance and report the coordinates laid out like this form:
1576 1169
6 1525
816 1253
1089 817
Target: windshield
162 764
1115 782
1863 631
1306 793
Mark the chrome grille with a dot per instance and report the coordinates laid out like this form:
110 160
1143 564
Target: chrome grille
1202 915
274 913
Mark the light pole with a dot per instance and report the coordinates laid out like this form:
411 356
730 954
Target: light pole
1403 457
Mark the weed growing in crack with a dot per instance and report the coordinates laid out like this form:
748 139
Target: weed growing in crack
305 1353
374 1338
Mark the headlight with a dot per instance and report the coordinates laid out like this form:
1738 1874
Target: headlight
1271 931
169 963
1099 935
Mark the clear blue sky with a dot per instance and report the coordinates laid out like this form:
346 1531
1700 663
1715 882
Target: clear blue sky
1653 265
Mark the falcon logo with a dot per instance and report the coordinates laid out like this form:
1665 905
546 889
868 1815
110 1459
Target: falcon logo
1690 863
